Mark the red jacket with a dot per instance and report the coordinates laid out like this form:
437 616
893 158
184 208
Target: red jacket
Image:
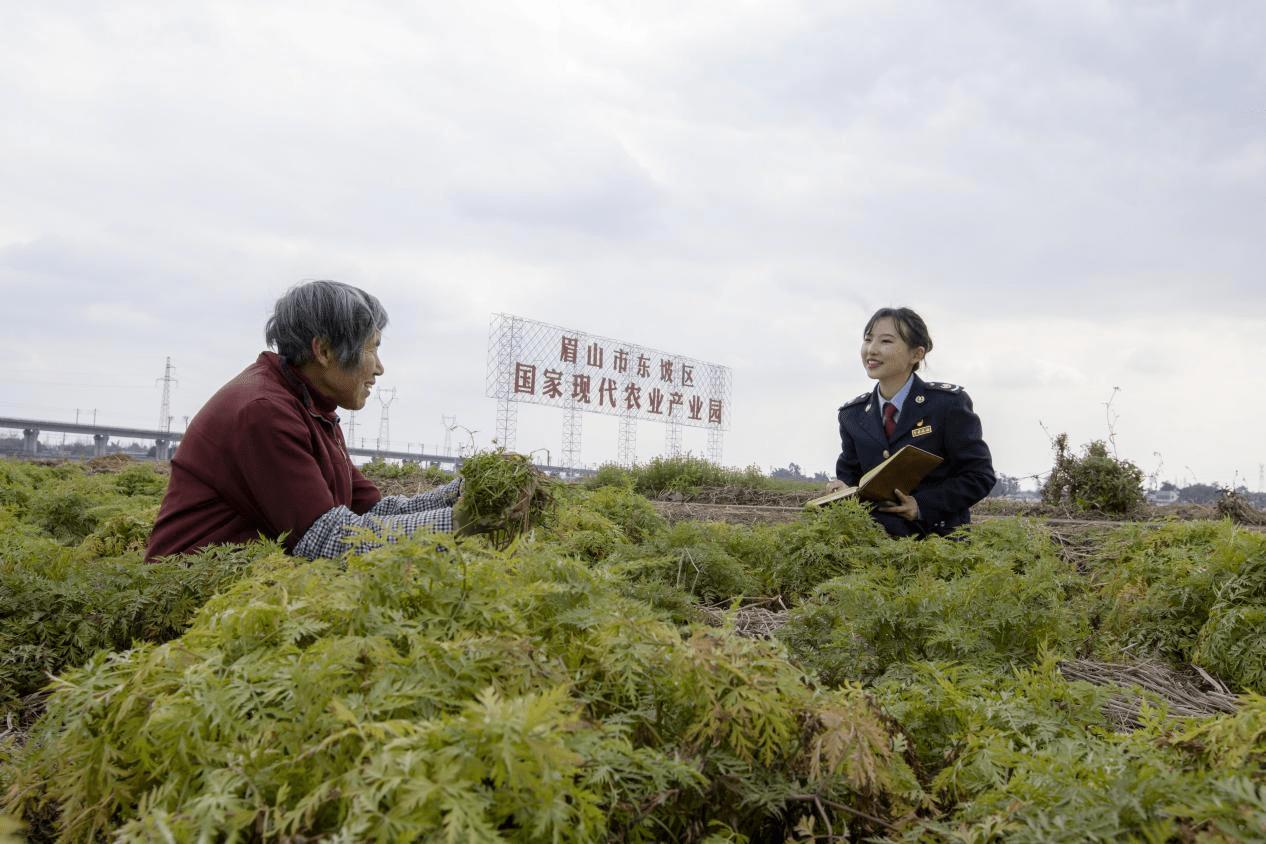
265 456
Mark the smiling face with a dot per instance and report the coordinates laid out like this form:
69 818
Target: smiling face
887 357
349 387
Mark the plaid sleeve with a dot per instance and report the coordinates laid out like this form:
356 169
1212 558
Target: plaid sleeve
438 498
328 536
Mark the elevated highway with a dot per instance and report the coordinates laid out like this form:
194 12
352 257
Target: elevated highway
166 441
101 435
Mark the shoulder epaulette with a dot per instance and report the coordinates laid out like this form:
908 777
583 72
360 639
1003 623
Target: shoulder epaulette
857 400
943 386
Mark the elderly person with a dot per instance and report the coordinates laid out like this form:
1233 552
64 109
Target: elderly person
266 456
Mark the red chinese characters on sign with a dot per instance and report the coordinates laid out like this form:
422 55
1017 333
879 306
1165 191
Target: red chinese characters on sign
596 356
618 378
525 378
553 387
609 391
580 388
606 392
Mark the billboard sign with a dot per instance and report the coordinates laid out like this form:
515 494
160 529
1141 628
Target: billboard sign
539 363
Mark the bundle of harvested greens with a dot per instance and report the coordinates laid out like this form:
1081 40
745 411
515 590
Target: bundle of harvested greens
503 495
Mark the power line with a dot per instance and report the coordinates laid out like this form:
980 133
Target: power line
450 422
384 428
164 418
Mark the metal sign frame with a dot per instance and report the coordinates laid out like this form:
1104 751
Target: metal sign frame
539 363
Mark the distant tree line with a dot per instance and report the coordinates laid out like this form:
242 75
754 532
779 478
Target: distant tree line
1209 493
1190 494
794 473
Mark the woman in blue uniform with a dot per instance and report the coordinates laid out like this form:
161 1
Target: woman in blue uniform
934 416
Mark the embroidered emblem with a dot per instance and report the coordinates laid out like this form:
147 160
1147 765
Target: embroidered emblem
918 432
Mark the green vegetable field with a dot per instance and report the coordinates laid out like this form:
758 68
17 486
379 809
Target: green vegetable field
599 674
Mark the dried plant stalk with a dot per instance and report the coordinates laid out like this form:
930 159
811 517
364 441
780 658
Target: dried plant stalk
1180 689
1236 507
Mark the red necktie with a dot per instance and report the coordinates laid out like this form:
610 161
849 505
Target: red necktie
890 419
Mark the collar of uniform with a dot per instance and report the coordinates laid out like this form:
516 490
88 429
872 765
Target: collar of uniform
898 400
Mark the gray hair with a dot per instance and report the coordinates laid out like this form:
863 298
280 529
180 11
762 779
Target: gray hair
343 315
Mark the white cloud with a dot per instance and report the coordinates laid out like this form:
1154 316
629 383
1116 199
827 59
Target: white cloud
118 315
1070 193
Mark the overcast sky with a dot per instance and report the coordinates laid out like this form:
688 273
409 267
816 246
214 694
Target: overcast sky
1071 192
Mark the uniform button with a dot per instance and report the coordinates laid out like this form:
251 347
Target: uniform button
885 454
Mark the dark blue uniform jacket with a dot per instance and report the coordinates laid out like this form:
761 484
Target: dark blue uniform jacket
938 418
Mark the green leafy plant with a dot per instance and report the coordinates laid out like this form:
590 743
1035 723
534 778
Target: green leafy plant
503 495
1029 756
119 531
381 470
958 714
140 479
637 518
695 557
1157 587
593 524
686 476
581 532
937 600
417 693
566 688
1095 481
17 480
57 611
609 475
1232 641
678 474
66 511
825 543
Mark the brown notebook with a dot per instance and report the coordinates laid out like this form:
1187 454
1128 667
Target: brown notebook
902 471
